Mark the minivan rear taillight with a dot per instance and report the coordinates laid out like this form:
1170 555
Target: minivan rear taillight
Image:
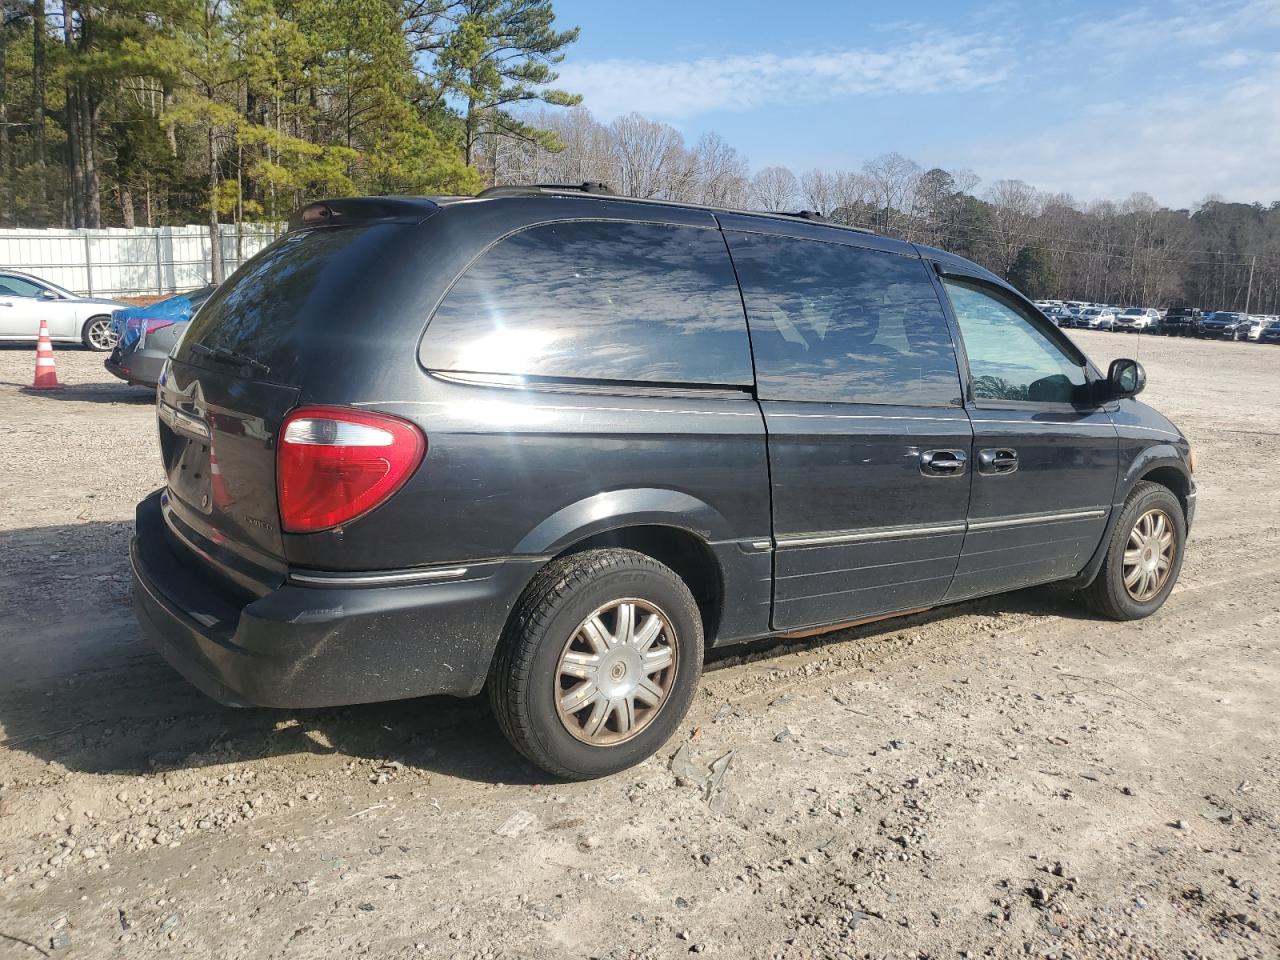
335 464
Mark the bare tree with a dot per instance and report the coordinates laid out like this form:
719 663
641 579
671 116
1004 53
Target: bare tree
852 198
647 154
1134 252
721 172
893 178
1014 208
774 188
819 189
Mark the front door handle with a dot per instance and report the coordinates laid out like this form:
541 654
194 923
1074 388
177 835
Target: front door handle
943 463
996 461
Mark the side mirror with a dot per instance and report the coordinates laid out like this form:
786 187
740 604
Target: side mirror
46 295
1125 378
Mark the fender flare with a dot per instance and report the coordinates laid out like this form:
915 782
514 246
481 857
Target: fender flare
1150 458
611 510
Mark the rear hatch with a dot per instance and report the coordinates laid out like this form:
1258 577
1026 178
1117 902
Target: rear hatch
239 369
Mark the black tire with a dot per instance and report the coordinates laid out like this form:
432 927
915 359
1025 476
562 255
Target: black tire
1107 594
523 679
90 337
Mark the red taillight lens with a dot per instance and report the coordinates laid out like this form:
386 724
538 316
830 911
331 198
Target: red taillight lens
334 464
154 325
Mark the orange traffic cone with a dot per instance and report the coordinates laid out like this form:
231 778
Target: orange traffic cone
221 494
46 373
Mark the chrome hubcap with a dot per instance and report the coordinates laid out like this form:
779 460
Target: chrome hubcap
615 672
1149 555
100 334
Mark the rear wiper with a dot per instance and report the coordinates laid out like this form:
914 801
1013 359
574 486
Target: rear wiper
229 356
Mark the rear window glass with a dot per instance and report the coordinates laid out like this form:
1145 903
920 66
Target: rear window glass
259 312
595 300
837 323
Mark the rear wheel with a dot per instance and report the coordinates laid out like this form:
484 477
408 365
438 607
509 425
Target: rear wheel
598 664
96 334
1144 556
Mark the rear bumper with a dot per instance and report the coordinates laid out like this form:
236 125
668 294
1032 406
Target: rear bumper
141 366
315 646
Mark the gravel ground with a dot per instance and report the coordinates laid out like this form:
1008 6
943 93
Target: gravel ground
1002 778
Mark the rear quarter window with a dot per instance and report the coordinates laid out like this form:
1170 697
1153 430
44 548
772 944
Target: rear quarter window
597 300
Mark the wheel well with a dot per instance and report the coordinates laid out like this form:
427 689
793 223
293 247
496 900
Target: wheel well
1174 479
685 553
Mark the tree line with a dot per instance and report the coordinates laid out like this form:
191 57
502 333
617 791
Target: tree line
152 112
1220 255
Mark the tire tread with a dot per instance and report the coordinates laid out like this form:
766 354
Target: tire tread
1105 596
509 674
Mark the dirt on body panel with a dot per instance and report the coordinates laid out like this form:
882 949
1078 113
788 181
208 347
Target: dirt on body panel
1003 778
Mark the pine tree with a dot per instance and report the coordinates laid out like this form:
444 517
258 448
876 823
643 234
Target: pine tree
500 55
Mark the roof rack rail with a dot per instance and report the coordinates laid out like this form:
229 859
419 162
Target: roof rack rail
804 215
533 189
603 190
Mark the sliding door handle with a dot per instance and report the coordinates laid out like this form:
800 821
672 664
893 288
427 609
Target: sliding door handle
997 461
943 463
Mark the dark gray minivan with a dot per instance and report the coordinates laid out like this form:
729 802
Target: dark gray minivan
556 443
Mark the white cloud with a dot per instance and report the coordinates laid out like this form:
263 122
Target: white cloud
1178 146
681 89
1187 23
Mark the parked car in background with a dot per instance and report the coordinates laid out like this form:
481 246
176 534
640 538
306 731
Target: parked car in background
25 300
1138 320
1180 321
1223 324
1253 325
1096 318
1061 316
1270 333
147 335
553 445
1057 314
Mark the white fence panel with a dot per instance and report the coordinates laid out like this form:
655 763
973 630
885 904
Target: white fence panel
116 262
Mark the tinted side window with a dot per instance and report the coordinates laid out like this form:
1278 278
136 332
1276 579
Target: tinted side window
18 287
838 323
1009 358
600 301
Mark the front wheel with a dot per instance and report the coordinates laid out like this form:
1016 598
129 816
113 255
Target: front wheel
1144 556
97 335
598 664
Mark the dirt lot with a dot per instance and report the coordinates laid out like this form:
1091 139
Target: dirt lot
1002 778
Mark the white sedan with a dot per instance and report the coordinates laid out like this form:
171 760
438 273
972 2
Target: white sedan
26 300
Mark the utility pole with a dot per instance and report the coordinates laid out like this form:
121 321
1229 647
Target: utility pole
1248 291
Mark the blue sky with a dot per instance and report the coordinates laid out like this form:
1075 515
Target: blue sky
1179 99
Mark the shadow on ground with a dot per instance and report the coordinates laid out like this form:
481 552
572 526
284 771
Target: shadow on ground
90 392
85 691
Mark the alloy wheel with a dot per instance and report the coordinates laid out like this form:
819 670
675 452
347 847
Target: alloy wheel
1149 555
100 335
616 671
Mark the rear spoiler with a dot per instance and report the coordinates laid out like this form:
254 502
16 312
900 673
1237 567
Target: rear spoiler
353 210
